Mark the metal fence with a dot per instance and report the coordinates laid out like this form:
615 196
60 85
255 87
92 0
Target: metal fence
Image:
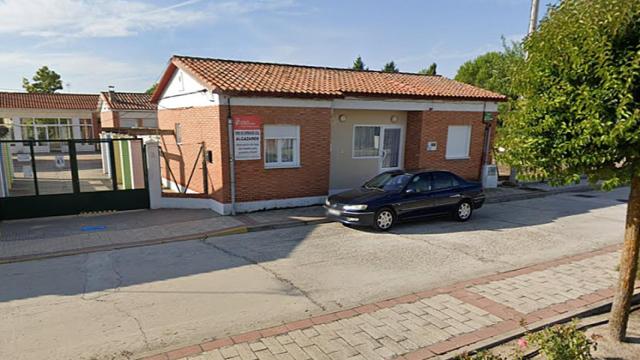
80 175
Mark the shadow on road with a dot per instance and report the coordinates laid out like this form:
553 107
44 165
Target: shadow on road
112 270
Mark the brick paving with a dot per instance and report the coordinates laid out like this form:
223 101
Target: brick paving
428 323
534 291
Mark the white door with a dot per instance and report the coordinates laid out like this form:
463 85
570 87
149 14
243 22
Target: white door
391 149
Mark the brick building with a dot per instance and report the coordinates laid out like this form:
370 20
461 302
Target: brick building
127 110
302 132
44 117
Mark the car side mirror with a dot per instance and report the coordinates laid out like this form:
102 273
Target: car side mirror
409 191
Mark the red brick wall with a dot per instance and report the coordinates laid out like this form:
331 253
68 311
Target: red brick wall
425 126
109 119
97 124
198 125
254 182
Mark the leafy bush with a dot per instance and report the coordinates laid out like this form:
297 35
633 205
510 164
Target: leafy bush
563 342
482 355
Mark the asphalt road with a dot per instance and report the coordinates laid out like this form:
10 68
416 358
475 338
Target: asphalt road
126 303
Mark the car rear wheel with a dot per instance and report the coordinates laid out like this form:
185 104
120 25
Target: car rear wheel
463 211
384 220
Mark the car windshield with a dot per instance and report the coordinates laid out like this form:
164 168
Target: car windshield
388 181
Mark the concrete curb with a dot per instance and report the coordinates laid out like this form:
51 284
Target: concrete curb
537 194
250 228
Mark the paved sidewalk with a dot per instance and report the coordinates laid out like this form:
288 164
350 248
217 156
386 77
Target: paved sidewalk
65 235
430 323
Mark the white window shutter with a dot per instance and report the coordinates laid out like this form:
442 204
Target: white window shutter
458 141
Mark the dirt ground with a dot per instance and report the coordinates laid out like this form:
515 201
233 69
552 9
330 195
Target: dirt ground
606 349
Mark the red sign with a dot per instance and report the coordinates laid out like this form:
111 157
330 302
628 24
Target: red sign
247 122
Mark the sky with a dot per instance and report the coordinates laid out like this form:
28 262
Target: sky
127 43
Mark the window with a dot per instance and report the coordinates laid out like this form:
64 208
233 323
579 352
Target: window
281 145
46 129
86 129
178 131
388 181
458 139
7 123
420 183
128 123
149 123
443 180
366 141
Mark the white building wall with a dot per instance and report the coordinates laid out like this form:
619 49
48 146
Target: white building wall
185 91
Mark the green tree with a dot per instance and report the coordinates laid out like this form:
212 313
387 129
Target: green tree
493 70
44 81
431 70
579 112
390 67
152 89
358 64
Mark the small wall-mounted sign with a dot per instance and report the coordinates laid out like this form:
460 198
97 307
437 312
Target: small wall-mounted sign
59 161
487 117
27 171
432 146
23 157
246 132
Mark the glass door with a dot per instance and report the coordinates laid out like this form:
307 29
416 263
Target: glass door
41 135
53 133
391 156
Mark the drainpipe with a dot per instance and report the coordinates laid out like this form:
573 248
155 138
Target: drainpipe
487 137
4 191
486 142
232 161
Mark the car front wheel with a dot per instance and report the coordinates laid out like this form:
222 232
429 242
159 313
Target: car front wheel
385 218
463 211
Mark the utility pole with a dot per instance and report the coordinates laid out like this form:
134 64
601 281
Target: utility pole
533 21
533 24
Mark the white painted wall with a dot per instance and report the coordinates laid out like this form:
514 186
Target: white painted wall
368 104
346 171
182 92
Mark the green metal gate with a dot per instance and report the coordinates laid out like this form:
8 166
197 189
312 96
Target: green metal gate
71 177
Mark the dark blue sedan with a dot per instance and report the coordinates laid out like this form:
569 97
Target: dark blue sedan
401 195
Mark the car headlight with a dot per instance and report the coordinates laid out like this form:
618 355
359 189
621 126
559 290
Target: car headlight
327 202
354 207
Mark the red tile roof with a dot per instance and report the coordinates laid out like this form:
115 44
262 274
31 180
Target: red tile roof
16 100
268 79
128 101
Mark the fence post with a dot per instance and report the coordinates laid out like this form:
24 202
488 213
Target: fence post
3 177
153 174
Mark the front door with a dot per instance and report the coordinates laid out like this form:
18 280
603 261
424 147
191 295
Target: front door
391 149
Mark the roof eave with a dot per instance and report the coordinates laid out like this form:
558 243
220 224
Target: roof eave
362 95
